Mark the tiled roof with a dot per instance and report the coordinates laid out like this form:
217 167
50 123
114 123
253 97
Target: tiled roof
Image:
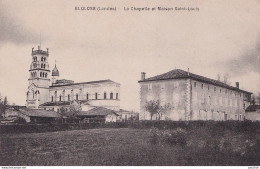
181 74
122 111
252 108
97 111
62 103
39 113
91 82
65 103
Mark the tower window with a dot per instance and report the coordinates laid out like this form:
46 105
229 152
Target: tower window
111 95
87 96
51 98
105 95
96 96
68 97
116 95
60 98
77 97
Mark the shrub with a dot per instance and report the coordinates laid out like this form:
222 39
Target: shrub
170 137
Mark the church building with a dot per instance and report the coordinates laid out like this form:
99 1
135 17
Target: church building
47 91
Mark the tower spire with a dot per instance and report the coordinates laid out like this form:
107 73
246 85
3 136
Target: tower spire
40 39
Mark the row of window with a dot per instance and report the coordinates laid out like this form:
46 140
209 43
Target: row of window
43 59
87 97
42 74
42 65
215 89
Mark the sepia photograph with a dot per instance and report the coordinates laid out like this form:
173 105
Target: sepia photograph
129 83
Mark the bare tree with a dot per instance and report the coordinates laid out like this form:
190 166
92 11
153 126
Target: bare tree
219 76
258 98
152 107
3 105
164 109
155 107
226 78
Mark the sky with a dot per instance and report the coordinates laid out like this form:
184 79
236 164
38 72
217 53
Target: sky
222 37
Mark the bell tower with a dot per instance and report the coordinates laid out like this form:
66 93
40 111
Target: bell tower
39 79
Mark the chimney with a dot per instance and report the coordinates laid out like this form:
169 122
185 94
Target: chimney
237 85
142 75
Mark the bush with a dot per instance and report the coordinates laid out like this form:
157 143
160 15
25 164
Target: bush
20 120
170 137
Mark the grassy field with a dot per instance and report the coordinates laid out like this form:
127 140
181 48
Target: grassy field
127 147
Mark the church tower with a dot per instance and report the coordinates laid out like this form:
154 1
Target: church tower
39 79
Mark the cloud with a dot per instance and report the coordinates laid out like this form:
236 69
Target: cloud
13 32
249 61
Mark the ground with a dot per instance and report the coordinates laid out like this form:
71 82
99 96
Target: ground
121 146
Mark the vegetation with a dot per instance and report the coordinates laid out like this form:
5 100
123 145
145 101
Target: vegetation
135 143
3 105
155 108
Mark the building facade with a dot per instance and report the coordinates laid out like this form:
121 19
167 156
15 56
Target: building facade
47 91
192 97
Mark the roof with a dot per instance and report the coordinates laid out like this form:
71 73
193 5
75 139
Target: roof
62 103
39 113
65 103
91 82
55 71
122 111
98 111
252 108
181 74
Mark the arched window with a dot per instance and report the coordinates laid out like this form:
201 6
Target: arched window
111 95
77 96
41 74
105 95
60 98
42 59
96 96
116 95
44 66
68 97
51 98
87 96
45 74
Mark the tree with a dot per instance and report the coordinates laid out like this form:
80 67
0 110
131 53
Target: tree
252 100
3 106
152 107
258 98
155 107
164 110
226 78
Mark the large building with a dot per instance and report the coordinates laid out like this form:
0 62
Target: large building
44 93
192 97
